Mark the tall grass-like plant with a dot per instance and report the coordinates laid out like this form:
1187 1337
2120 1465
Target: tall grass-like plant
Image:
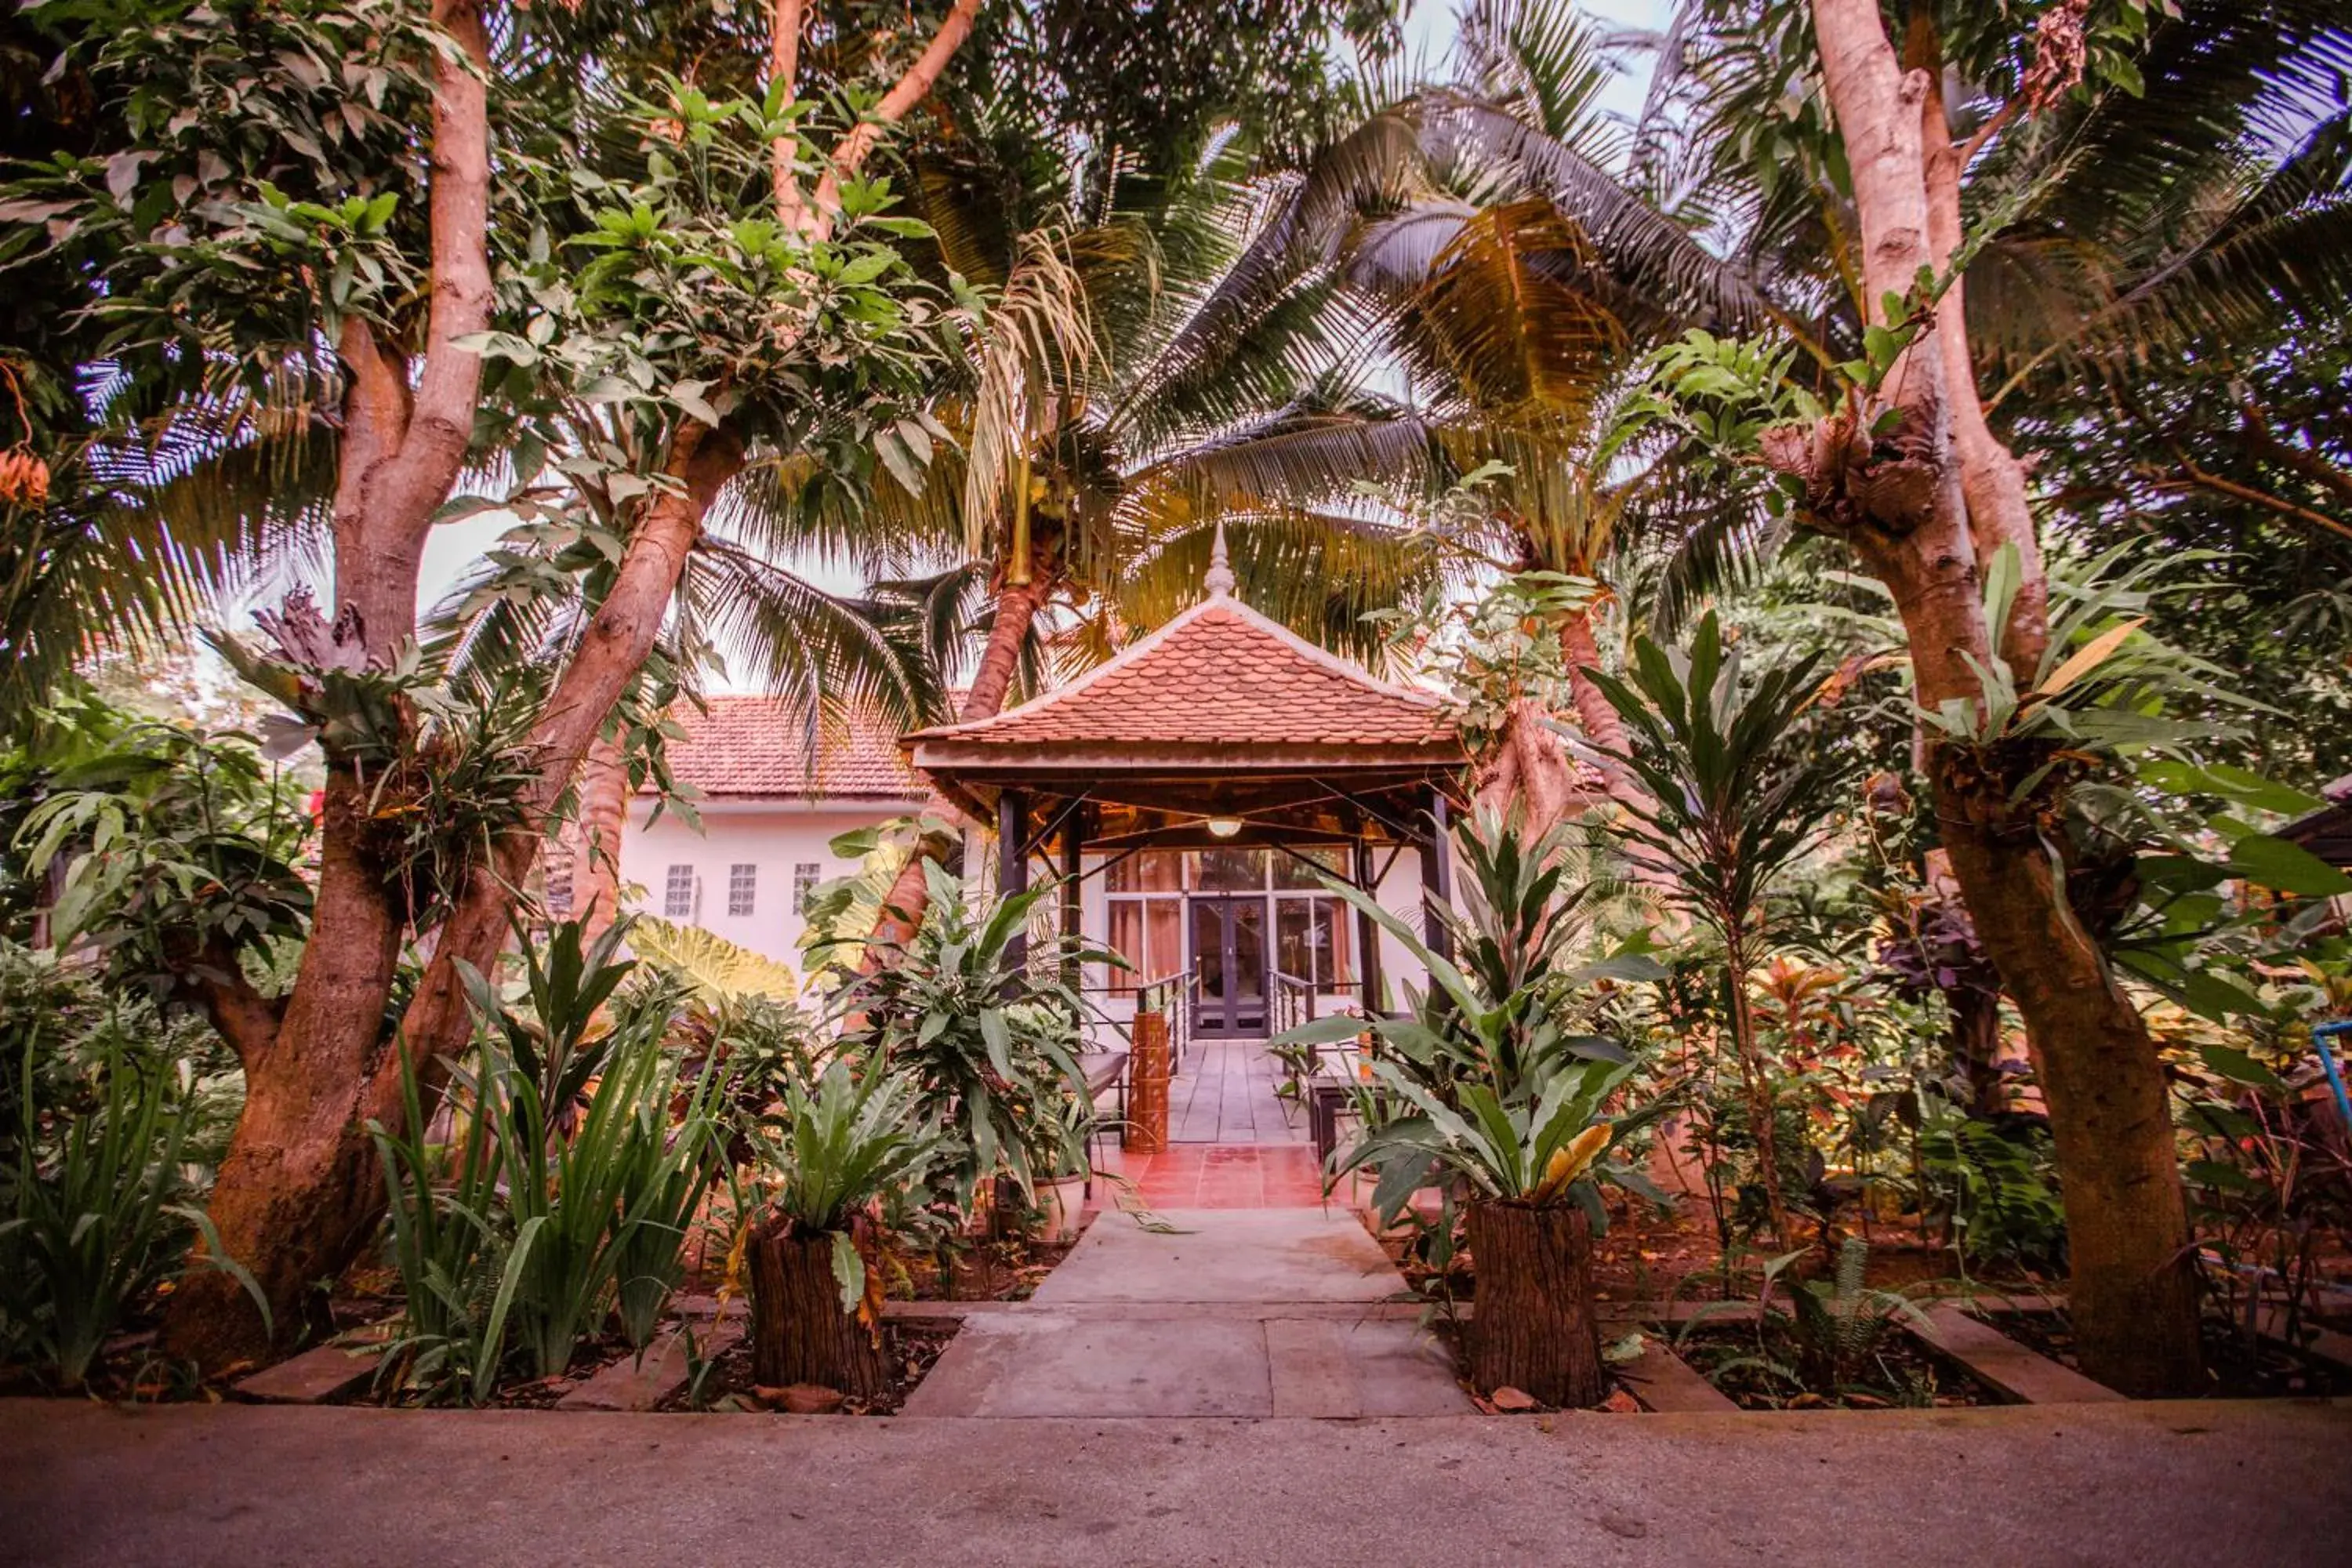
96 1212
550 1211
450 1239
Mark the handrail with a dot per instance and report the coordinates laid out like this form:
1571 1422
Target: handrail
1294 1000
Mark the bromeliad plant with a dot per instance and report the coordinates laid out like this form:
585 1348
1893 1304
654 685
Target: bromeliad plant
859 1137
1492 1089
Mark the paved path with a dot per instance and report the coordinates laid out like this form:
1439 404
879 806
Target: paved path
1234 1312
1214 1176
2146 1486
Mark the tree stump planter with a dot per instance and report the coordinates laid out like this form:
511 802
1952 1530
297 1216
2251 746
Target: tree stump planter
799 1331
1533 1327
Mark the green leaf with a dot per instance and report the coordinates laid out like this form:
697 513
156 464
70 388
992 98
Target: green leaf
2238 1067
2286 867
848 1270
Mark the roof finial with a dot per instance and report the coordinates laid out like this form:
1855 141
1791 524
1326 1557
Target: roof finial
1220 579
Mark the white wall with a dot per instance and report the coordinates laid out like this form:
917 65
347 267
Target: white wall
772 835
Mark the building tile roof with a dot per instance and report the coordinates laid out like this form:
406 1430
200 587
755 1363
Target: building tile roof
1218 674
759 746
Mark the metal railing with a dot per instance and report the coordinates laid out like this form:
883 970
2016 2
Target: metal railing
1294 1000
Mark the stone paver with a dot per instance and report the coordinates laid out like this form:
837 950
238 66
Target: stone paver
1225 1254
318 1376
2147 1486
1234 1313
641 1382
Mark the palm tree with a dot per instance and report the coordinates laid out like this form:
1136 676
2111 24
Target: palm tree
1516 280
1131 386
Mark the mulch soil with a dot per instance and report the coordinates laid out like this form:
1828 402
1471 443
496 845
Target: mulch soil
913 1347
1900 1372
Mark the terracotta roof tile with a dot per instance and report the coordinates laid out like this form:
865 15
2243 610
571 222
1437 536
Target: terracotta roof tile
759 746
1218 674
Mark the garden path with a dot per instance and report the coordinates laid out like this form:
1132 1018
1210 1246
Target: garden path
1210 1313
1225 1095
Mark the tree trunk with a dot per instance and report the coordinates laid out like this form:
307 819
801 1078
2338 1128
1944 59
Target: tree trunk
1976 1049
1595 715
2133 1293
2132 1283
1763 1107
298 1190
799 1331
1533 1328
603 804
1017 605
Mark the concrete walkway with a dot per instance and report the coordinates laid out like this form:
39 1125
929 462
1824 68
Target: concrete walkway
2143 1485
1230 1312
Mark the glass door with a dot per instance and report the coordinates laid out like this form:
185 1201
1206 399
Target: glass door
1228 934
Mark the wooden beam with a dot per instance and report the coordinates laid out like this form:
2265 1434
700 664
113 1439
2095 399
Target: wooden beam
1013 869
1368 930
1073 846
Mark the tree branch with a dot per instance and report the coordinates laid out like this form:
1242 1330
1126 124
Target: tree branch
2206 480
245 1018
441 425
784 66
910 90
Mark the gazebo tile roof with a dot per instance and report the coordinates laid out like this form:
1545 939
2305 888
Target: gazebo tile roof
1218 674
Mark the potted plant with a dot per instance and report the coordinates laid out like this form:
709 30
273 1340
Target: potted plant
816 1305
1493 1089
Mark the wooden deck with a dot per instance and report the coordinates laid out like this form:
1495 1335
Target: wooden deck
1225 1095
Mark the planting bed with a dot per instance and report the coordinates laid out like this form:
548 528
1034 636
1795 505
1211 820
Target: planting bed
1902 1370
913 1346
2238 1368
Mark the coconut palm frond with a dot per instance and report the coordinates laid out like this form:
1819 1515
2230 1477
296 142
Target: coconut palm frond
784 635
1038 340
1648 252
1317 571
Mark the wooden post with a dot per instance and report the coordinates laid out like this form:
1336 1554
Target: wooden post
1368 930
1147 1090
799 1331
1533 1327
1437 878
1073 840
1012 865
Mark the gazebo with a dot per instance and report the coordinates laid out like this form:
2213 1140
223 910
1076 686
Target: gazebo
1193 790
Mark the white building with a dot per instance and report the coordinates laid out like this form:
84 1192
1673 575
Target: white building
768 815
